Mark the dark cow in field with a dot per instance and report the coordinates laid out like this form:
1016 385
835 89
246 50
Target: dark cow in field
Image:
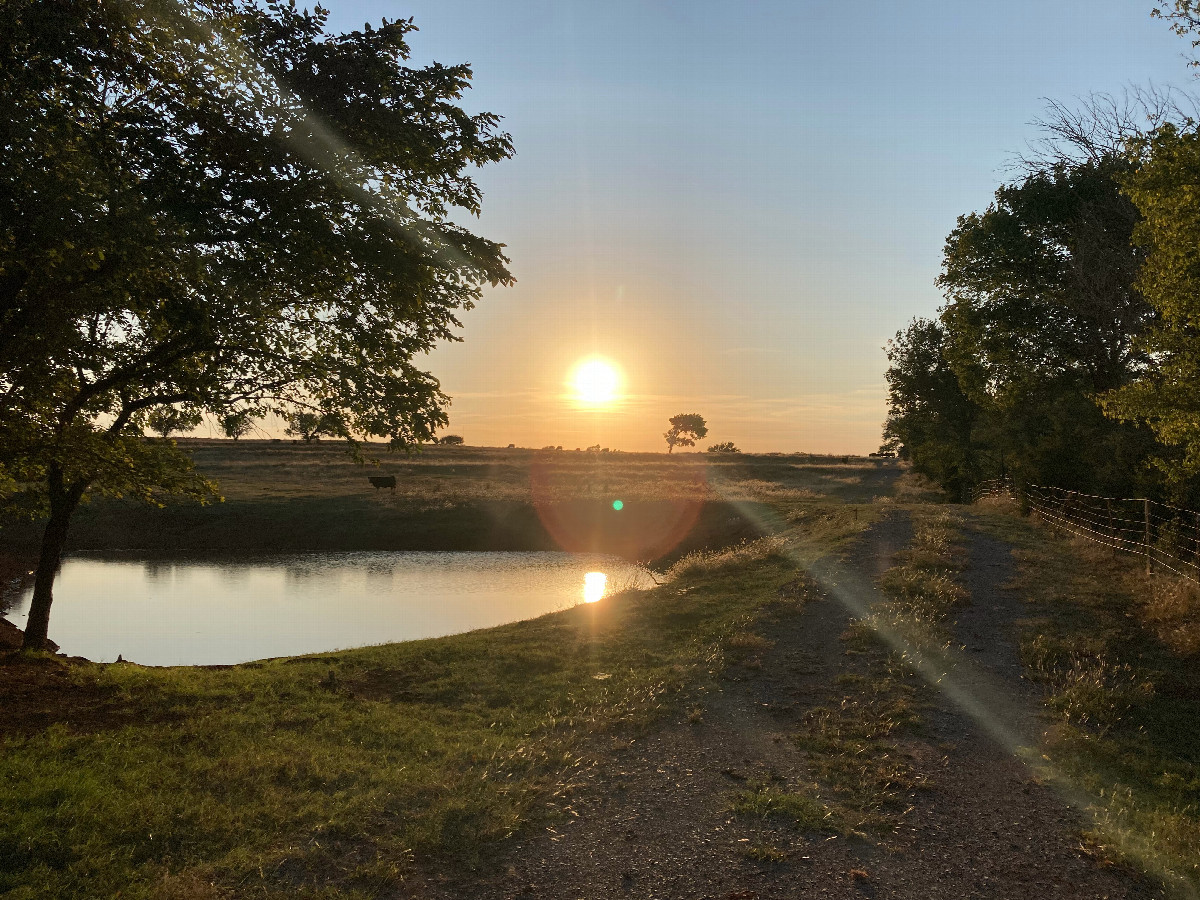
382 481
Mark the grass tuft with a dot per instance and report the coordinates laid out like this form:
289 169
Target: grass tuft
766 800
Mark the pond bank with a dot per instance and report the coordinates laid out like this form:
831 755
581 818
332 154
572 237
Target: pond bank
654 531
346 774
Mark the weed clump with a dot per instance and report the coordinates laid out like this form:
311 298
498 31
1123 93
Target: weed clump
701 561
764 800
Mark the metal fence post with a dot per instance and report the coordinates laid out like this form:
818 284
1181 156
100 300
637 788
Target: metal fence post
1146 504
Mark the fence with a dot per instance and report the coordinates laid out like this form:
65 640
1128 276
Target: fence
1168 537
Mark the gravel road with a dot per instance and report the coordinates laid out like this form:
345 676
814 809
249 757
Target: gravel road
655 820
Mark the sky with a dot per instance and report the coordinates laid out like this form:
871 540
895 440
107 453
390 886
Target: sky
739 204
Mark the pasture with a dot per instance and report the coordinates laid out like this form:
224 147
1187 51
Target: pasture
280 495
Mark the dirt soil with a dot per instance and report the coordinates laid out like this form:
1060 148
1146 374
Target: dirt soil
655 820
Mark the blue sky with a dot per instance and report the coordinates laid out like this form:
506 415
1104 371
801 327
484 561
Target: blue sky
740 203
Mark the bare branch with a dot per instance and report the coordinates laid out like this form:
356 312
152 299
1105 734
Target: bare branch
1101 126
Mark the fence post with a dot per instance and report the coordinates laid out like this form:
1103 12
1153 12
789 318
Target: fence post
1112 531
1146 504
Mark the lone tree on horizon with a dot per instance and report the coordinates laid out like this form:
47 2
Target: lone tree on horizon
214 207
685 430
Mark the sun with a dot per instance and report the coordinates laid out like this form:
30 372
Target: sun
595 381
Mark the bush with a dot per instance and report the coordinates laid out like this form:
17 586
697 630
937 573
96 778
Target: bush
726 447
452 439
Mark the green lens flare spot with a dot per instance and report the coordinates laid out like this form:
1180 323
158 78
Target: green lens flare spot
618 505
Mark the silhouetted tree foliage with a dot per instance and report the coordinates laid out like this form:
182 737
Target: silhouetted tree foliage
725 447
311 426
685 430
930 420
451 439
1042 316
213 205
237 423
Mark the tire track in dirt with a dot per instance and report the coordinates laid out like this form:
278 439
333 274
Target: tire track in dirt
655 820
988 827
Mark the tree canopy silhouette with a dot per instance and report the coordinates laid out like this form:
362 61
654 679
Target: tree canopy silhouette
1042 316
218 207
685 430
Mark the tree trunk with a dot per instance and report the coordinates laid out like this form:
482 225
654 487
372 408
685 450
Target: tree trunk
63 501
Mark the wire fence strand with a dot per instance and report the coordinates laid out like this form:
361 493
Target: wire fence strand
1166 536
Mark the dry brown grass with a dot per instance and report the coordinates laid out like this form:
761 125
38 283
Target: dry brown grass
441 476
749 641
1112 648
715 560
1166 605
1170 606
187 887
913 488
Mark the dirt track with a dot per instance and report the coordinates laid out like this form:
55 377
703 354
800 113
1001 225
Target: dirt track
655 819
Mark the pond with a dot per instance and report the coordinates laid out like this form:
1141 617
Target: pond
206 610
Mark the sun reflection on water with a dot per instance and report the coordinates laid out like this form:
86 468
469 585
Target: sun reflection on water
594 584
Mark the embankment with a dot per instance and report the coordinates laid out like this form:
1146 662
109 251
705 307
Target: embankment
656 530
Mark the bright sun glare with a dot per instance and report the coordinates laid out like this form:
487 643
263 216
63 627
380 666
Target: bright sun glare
594 584
595 381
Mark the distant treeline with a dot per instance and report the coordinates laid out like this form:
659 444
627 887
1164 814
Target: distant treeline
1068 349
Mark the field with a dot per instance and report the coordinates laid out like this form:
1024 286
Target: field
292 496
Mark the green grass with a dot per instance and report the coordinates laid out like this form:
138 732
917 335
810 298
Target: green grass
323 776
1122 686
767 800
852 747
344 775
853 741
922 591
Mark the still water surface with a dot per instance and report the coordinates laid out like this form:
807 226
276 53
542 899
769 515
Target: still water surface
207 610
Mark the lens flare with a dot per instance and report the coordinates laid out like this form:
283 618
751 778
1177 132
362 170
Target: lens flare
594 584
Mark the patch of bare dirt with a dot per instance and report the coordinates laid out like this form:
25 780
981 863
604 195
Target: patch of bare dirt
37 692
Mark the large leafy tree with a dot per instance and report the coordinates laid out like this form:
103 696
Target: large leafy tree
218 207
1043 315
685 430
931 421
1167 396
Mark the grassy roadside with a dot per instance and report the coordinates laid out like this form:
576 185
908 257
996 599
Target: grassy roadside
854 741
343 775
1118 655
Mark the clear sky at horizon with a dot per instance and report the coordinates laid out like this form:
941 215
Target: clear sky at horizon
739 204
